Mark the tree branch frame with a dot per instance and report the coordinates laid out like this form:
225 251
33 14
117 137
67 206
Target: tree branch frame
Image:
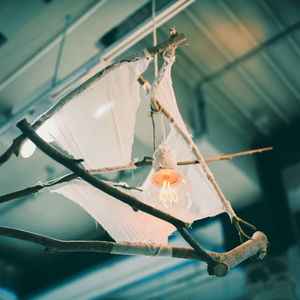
218 264
225 261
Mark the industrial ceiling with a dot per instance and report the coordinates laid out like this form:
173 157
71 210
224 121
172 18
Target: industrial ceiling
237 83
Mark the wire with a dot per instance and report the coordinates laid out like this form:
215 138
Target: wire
162 126
155 74
153 129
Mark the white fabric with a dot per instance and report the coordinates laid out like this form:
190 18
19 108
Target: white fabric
206 202
97 125
117 218
108 142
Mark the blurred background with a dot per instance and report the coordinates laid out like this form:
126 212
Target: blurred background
238 88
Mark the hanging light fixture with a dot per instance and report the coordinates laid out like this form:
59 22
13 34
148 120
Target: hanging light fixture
168 189
28 148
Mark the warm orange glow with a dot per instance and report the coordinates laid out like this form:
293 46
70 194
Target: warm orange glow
166 176
165 179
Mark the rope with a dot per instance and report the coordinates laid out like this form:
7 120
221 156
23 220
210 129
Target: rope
164 158
156 74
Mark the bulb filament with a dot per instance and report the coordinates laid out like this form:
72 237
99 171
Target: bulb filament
167 195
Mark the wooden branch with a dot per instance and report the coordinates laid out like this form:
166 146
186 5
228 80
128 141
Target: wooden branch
129 166
94 181
229 156
236 220
162 47
193 146
25 127
242 235
17 143
256 246
36 188
146 161
13 149
225 261
203 254
208 173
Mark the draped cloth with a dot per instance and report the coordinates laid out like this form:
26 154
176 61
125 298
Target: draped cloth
98 126
206 202
117 218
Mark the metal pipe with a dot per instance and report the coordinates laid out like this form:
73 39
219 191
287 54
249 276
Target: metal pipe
229 57
53 43
102 59
220 72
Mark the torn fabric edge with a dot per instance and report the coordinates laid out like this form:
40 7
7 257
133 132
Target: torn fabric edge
97 124
209 204
119 219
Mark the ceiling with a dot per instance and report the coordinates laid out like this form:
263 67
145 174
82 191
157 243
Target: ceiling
237 81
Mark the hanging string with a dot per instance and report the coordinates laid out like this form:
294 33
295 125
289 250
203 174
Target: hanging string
153 128
155 74
162 126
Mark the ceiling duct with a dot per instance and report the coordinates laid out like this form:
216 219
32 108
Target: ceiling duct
133 21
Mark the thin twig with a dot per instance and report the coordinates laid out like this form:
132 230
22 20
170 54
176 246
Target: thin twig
242 235
127 187
195 150
146 161
203 164
36 188
230 156
13 149
129 166
153 131
174 40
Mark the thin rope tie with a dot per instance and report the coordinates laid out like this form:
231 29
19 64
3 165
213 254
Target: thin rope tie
156 74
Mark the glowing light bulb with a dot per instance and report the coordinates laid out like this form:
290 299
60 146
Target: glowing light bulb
165 179
170 191
167 195
27 149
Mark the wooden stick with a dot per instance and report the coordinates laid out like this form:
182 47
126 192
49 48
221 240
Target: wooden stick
201 160
193 146
71 164
36 188
146 161
94 181
230 156
14 148
17 143
225 261
203 254
162 47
